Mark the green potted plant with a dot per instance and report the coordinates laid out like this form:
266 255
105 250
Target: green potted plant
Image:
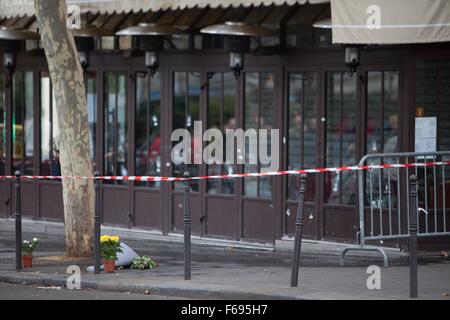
28 248
109 248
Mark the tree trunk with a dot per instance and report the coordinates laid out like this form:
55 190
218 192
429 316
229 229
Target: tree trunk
70 97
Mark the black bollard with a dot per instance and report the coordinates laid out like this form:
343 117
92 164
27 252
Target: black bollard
187 229
97 222
298 232
18 218
413 236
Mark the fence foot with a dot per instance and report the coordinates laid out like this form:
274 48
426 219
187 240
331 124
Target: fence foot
380 250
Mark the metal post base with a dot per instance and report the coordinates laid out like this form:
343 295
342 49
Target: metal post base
380 250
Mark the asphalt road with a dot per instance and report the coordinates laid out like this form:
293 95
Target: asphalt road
23 292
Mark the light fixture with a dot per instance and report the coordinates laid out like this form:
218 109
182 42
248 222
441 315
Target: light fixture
85 41
11 41
9 60
237 40
150 38
352 60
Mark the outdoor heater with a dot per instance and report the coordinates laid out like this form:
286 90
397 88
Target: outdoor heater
11 41
150 38
237 40
85 41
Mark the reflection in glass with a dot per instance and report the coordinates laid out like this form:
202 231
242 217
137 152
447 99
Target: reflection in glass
382 133
148 128
302 132
49 129
382 112
340 137
258 114
433 95
115 125
444 98
186 110
221 116
2 125
22 126
92 112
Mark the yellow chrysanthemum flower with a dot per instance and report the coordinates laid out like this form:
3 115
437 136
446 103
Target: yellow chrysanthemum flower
105 238
115 239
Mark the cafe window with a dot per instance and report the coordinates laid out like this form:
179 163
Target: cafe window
433 95
115 132
2 125
186 110
221 116
382 112
22 122
107 43
50 164
91 96
258 114
49 129
382 132
302 132
148 127
340 187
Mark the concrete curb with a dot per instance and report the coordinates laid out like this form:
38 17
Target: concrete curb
194 290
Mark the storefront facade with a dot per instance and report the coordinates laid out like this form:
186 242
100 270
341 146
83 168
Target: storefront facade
296 82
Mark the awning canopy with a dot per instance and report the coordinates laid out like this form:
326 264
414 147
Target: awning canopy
390 22
12 9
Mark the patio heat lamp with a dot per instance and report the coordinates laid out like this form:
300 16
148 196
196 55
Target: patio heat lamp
150 38
11 41
85 41
237 40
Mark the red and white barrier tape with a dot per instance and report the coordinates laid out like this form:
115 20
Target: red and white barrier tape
234 176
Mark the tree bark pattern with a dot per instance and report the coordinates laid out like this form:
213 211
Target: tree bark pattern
70 97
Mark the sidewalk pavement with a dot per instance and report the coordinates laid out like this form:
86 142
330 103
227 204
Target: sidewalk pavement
229 273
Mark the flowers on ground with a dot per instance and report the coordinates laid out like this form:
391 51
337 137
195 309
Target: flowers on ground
109 247
28 247
143 262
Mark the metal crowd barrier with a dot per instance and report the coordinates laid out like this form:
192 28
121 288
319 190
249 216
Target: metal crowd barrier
383 198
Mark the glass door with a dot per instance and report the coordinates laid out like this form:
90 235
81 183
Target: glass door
341 149
186 111
260 108
115 149
302 146
4 190
148 211
220 197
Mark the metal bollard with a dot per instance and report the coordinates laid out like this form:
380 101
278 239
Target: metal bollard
413 236
18 218
298 232
187 229
97 224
